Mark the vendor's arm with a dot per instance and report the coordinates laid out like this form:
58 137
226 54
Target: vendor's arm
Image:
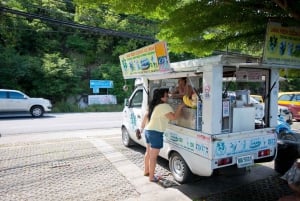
188 91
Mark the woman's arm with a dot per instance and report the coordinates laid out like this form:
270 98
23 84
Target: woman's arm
144 121
176 115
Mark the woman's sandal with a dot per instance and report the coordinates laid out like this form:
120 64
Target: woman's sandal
155 179
146 174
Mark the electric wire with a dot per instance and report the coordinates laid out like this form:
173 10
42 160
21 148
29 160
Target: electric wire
137 20
41 31
77 25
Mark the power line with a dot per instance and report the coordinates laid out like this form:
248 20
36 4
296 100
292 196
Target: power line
41 31
106 9
77 26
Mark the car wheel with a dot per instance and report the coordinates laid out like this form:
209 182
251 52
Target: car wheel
286 156
287 152
37 111
294 137
127 141
179 169
282 133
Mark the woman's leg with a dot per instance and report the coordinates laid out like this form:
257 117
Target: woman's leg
153 158
147 160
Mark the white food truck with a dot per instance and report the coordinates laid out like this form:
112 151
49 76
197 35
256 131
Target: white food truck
221 131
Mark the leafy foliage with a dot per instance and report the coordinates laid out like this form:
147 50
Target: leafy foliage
200 27
55 61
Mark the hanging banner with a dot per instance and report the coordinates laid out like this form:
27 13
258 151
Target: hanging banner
282 45
147 60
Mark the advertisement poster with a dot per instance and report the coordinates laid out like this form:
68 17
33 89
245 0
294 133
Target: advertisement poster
226 108
282 45
150 59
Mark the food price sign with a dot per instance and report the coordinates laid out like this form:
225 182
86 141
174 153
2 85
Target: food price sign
152 59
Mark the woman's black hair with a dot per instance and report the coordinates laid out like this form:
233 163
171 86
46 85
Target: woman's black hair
156 100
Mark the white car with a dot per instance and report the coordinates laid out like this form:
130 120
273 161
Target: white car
14 101
260 109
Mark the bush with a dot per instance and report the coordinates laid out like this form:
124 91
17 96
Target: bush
64 107
104 108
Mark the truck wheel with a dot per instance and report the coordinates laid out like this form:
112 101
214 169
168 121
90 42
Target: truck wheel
37 111
127 141
179 169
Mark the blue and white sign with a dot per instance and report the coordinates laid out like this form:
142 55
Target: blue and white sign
95 90
101 84
102 99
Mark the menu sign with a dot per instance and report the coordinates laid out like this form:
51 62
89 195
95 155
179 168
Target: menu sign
282 45
147 60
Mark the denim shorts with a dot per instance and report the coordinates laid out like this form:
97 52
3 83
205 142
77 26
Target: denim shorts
154 138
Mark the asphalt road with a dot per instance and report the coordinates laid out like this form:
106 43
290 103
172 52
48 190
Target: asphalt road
10 125
51 122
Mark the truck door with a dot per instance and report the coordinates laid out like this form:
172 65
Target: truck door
134 111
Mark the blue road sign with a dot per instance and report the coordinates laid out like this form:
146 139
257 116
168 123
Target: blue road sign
101 84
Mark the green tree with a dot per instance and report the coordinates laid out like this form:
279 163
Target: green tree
57 61
200 27
61 77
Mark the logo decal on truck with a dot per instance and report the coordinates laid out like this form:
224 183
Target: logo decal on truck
187 143
221 148
255 143
132 120
228 148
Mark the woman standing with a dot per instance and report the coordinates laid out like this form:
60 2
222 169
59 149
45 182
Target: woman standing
157 118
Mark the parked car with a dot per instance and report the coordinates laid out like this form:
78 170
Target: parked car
259 106
259 98
282 110
14 101
292 101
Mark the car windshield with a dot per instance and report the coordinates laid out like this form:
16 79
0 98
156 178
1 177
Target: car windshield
253 100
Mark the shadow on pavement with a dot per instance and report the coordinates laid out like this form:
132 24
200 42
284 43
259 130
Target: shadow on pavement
260 183
23 116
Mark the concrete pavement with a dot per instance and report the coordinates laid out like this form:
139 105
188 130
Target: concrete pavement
73 165
93 165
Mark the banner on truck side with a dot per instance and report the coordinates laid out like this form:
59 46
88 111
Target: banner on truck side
147 60
282 45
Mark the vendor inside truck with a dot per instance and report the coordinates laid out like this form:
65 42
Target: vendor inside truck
183 88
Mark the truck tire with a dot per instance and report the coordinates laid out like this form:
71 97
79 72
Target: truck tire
127 141
179 169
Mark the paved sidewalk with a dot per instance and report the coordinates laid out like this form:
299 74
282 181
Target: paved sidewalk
77 165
